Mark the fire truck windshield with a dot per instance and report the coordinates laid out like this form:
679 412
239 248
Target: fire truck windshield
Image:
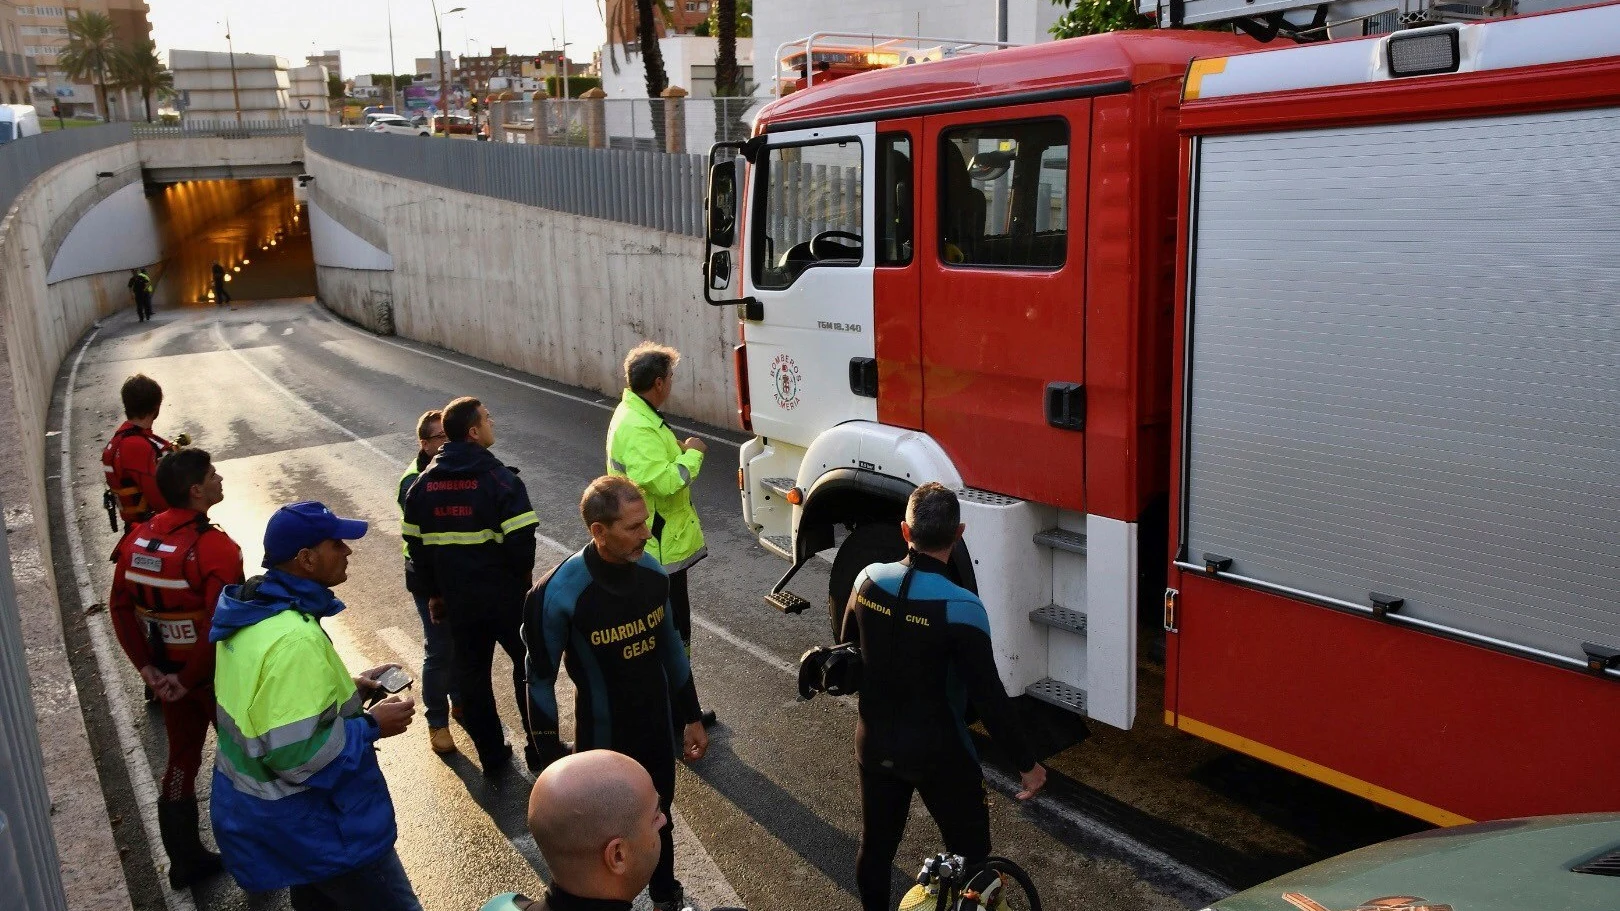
811 211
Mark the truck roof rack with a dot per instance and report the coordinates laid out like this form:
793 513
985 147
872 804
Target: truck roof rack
1303 20
798 59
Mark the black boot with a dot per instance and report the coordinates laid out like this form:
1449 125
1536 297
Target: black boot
189 861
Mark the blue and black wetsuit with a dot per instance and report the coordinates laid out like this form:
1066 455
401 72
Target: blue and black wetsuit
612 625
925 647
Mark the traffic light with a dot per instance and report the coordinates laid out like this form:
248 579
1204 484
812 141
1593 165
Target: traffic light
473 104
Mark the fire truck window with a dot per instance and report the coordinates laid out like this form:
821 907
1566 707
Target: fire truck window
894 218
810 211
1004 194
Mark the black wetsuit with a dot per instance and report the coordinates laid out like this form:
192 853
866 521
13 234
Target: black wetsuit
925 647
612 625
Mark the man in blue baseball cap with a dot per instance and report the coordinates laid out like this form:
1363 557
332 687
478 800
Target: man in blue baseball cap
299 801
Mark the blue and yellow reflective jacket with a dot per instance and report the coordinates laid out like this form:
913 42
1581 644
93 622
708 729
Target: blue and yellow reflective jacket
298 795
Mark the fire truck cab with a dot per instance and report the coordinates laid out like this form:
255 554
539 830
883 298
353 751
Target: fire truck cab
962 272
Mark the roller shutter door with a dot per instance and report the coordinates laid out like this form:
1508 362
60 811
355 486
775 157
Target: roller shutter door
1404 370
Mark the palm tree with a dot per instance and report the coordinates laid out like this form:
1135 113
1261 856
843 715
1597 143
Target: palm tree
91 52
652 58
139 68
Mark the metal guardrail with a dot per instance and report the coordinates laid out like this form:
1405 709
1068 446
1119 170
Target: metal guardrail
651 189
225 128
30 869
25 159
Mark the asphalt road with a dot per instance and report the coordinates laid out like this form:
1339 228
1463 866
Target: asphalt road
293 405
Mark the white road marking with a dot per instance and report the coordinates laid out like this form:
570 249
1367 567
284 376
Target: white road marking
594 403
108 658
219 336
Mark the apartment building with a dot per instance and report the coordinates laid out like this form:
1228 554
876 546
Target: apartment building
43 32
17 70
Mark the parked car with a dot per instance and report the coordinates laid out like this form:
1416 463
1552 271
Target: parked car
17 121
1571 863
459 123
395 124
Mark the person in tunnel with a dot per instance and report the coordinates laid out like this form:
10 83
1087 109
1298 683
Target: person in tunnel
221 296
140 285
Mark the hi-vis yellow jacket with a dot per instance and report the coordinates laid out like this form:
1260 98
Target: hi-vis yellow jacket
641 447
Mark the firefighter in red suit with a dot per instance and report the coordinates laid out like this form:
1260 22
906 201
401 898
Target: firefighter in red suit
170 571
130 458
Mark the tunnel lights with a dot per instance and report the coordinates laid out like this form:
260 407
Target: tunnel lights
227 276
236 268
247 262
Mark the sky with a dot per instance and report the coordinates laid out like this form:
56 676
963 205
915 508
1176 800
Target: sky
295 29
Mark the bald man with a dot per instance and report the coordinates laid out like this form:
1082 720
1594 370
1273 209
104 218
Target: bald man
596 817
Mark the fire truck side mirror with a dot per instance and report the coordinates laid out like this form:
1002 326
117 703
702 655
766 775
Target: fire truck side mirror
720 215
719 271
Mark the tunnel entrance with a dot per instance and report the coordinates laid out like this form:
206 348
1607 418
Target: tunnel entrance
256 230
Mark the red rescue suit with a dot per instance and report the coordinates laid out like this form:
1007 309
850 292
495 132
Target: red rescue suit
169 575
129 461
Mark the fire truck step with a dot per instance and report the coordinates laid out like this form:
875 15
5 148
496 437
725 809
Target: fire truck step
786 602
1062 539
1058 693
1059 617
781 545
778 486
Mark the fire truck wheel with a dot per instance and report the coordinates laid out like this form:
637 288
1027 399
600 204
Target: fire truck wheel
873 542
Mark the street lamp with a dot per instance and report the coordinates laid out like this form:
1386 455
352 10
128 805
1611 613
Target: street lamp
393 71
438 27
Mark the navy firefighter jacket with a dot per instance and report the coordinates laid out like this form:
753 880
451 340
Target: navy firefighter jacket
924 656
469 529
613 624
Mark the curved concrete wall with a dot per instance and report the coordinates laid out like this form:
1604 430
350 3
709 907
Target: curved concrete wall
39 324
556 295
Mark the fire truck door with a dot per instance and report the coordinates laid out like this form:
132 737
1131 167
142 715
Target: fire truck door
811 349
1001 241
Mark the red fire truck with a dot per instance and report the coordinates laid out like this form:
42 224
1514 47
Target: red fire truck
1300 361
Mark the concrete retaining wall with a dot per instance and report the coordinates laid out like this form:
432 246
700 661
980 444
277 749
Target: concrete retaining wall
39 324
556 295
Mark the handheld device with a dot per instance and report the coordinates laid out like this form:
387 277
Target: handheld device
393 680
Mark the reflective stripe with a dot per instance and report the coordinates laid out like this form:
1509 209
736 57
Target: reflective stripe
277 737
330 750
613 464
154 581
162 548
677 567
463 537
274 789
686 476
405 528
521 520
351 706
108 469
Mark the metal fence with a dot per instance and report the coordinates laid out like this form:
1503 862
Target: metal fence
651 189
30 871
25 159
226 128
627 123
